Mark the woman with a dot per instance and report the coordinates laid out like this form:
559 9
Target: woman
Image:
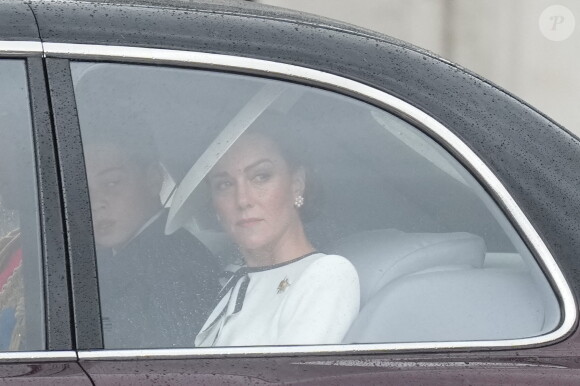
288 293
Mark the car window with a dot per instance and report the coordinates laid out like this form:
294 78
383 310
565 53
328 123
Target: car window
21 305
233 210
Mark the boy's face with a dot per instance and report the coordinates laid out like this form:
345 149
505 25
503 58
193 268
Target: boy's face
124 195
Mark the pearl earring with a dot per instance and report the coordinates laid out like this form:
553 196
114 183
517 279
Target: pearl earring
298 201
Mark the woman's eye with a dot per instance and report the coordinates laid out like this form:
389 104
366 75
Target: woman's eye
221 185
262 177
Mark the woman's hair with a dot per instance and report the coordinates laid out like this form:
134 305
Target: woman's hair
274 127
138 145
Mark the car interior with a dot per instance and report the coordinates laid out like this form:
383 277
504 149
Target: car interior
437 258
439 267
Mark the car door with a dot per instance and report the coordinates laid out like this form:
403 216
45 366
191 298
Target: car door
35 325
402 198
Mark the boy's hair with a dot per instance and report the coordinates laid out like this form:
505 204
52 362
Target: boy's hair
140 147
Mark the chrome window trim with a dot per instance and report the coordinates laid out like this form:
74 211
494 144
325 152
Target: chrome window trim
378 98
38 356
19 48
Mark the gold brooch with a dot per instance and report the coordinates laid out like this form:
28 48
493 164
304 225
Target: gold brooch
283 285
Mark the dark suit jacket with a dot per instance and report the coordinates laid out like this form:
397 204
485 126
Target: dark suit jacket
157 291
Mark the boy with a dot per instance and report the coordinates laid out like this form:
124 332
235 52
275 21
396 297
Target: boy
156 289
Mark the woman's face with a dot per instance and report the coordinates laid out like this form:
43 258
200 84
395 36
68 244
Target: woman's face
253 191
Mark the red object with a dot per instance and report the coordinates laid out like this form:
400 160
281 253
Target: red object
14 262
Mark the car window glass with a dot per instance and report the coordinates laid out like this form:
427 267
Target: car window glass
21 306
232 210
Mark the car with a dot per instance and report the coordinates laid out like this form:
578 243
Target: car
457 203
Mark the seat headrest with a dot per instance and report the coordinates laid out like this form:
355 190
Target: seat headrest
383 255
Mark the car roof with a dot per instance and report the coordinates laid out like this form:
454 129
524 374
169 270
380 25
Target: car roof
534 157
17 22
237 7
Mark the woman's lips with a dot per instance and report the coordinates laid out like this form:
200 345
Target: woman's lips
248 222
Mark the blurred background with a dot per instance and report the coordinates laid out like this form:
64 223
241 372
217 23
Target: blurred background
529 47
